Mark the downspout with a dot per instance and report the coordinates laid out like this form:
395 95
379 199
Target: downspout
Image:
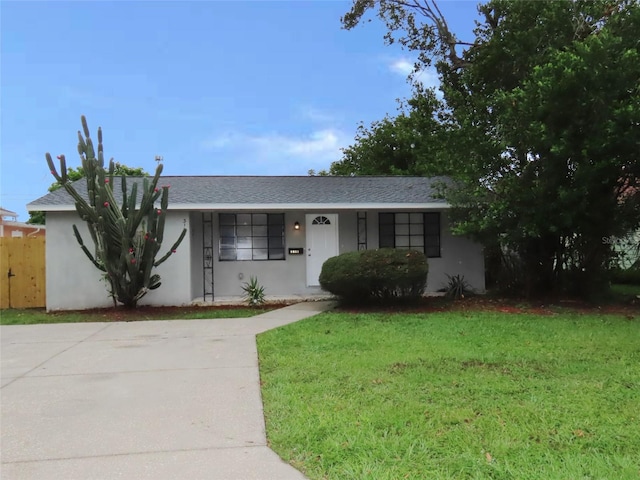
35 232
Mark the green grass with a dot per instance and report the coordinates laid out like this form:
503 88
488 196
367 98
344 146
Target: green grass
455 395
37 315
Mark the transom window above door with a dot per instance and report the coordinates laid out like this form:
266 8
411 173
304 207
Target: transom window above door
251 236
321 220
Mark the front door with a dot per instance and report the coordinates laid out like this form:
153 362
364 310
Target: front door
322 243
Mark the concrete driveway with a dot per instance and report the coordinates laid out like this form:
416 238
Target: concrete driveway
176 399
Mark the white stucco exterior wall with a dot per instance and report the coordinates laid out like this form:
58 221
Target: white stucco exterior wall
459 256
73 282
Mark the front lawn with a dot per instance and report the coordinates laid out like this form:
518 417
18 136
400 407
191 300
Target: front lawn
455 395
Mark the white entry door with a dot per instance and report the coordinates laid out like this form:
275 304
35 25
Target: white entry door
322 243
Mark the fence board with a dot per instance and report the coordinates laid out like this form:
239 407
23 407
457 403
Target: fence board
25 258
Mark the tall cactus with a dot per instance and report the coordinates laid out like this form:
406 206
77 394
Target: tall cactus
128 237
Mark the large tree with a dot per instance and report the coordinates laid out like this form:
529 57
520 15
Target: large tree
544 127
73 174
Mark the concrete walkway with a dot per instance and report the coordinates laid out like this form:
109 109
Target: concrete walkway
176 399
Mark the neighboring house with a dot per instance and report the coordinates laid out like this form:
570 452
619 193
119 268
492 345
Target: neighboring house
11 227
278 229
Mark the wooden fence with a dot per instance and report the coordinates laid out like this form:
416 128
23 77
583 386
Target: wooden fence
22 272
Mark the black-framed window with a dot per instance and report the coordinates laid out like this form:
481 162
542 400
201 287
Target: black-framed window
251 236
411 230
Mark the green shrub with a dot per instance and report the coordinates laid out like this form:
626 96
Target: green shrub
457 287
253 292
629 276
384 274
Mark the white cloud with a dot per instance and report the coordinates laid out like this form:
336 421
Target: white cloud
276 153
320 143
401 66
428 78
316 115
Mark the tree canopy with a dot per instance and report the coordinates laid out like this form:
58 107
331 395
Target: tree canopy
411 143
539 125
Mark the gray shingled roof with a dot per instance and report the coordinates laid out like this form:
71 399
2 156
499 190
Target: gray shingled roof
200 191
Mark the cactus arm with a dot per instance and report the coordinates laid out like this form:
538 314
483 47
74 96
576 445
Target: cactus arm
125 199
172 249
86 250
61 177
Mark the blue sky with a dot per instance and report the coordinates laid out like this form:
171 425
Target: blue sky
216 88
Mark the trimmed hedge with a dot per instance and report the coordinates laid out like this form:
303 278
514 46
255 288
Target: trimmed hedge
384 274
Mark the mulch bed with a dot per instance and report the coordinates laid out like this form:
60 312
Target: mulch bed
146 312
630 308
500 304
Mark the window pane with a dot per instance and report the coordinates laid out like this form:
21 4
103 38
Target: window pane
416 217
432 240
260 231
402 218
432 243
259 218
260 242
275 230
260 254
276 254
386 219
244 242
227 231
402 241
244 254
387 230
386 241
227 254
243 218
276 219
432 218
433 252
276 242
227 242
227 219
432 229
244 231
416 240
416 229
402 229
